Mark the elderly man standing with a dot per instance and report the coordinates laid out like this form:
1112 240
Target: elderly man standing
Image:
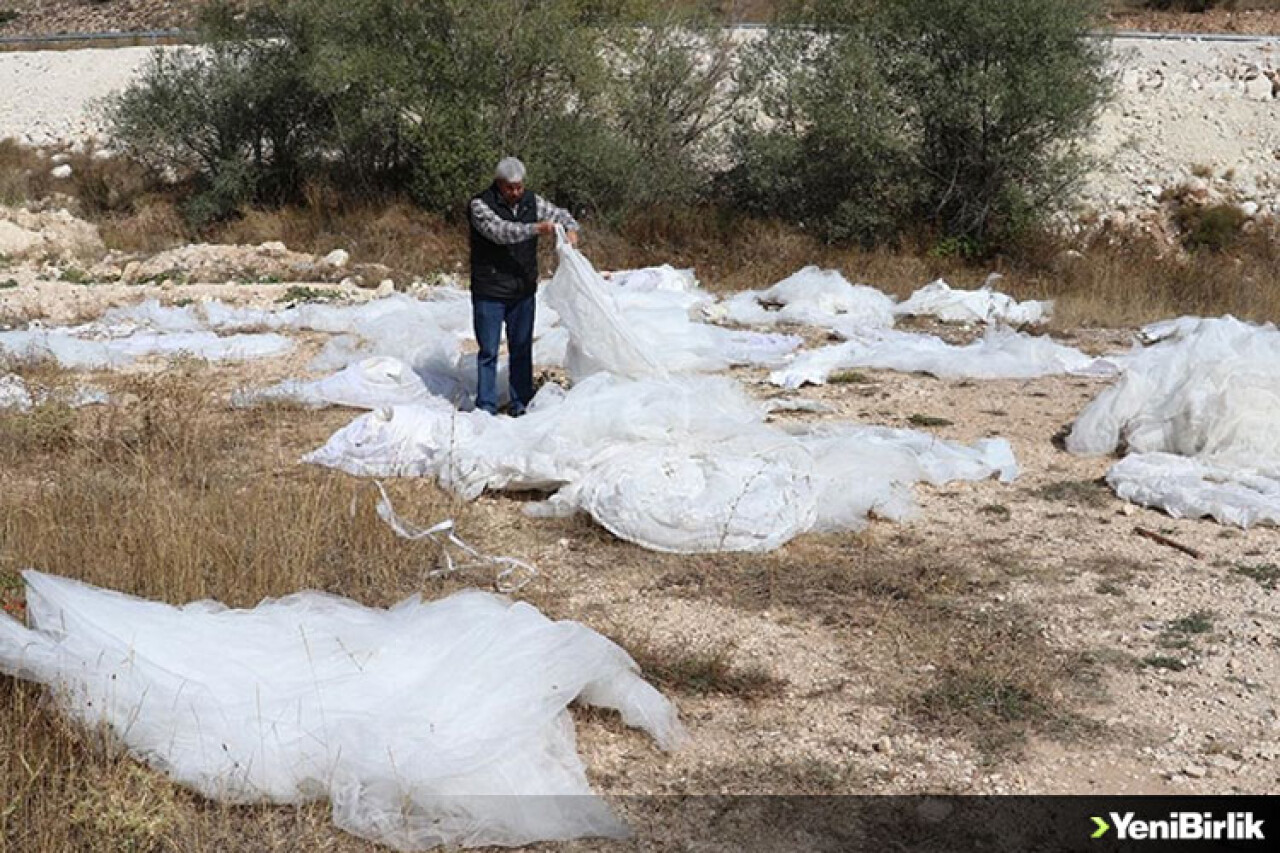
506 220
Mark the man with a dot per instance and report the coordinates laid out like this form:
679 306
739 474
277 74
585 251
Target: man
506 221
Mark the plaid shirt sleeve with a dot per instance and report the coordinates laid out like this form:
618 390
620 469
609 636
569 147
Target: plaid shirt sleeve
499 230
547 210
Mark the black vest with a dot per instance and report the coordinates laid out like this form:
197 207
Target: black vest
505 271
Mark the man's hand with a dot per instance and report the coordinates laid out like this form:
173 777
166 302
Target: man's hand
573 238
546 227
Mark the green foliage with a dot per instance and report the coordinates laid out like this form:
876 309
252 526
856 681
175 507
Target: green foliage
962 118
380 96
300 293
1213 228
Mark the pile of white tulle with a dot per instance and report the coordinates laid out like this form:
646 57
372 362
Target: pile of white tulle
654 450
1197 415
423 724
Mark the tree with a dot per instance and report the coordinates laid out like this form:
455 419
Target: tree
961 117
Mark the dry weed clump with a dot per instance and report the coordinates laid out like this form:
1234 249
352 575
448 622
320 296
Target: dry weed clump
1115 280
24 173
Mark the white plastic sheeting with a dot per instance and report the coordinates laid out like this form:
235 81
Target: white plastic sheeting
1000 353
813 297
78 348
423 724
985 305
681 463
16 396
367 384
1199 411
1191 488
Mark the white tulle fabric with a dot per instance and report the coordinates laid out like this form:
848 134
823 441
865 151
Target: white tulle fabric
1197 414
1001 353
984 305
424 724
674 461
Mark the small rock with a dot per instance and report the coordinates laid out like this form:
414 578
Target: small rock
1258 89
884 746
337 258
1249 209
385 288
1195 771
61 172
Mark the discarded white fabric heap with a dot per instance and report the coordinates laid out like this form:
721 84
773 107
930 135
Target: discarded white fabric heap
673 461
1001 353
96 347
985 305
423 724
1197 414
813 297
680 463
367 384
642 327
16 396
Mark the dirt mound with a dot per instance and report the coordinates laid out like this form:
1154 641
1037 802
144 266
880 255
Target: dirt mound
264 264
47 235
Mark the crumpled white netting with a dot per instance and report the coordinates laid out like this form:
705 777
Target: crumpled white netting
812 297
1197 414
671 460
423 724
96 347
1001 353
985 305
16 396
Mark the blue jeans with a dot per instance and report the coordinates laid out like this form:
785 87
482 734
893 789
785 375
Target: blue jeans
489 316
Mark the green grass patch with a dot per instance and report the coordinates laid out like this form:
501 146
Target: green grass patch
850 377
1163 662
1266 574
928 421
1198 622
300 293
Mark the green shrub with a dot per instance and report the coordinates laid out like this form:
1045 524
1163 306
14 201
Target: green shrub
422 98
961 118
1212 228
